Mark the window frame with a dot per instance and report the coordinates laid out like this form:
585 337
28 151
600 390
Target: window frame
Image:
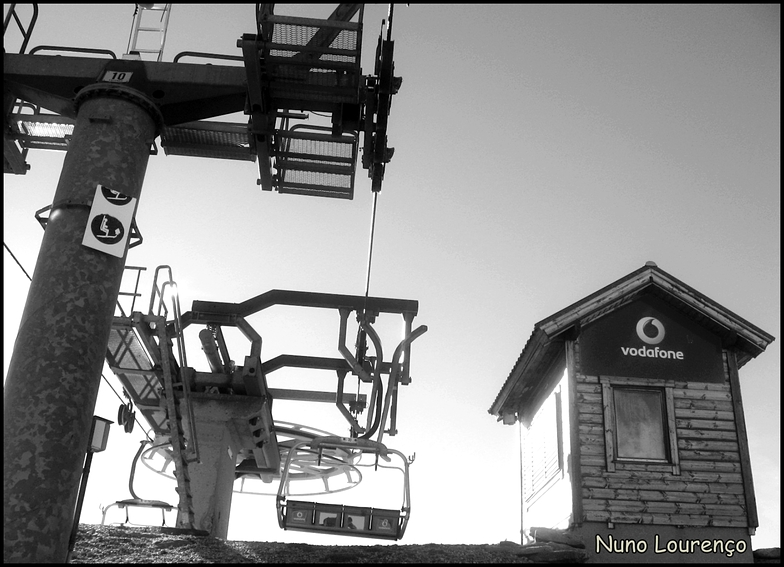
614 462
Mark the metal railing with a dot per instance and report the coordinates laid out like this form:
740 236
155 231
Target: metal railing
26 33
158 309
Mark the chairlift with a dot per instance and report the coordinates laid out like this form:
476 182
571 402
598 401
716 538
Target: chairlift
136 501
337 519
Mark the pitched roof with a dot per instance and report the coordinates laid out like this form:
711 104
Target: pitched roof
545 345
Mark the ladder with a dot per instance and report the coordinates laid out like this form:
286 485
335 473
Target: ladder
175 400
145 21
185 514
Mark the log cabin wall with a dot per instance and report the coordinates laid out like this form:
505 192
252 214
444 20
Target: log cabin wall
627 510
707 491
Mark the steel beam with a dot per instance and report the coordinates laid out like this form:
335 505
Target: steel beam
183 92
313 396
297 361
225 313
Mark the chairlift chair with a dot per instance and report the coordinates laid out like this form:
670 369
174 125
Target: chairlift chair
337 519
136 501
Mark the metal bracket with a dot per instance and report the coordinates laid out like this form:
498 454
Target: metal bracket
134 238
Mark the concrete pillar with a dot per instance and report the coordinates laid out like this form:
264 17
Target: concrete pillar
212 478
221 430
55 370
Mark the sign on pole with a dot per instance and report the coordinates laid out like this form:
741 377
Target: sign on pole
109 224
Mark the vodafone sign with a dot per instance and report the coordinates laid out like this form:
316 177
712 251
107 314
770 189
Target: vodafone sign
658 330
650 339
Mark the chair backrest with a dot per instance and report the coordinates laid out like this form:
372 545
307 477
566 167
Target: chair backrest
342 520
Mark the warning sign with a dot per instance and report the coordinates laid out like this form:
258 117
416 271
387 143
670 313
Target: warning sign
110 221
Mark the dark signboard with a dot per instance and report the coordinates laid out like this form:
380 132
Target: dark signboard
109 224
649 339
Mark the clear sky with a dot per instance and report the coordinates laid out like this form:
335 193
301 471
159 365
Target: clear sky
542 152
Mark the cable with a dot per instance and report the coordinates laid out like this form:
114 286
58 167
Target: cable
17 261
370 249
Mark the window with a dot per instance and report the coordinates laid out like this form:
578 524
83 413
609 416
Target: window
543 454
639 424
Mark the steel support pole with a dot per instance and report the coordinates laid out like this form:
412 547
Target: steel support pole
88 461
55 370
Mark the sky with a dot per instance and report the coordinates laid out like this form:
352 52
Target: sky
542 152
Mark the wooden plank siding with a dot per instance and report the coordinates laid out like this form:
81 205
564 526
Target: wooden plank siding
666 519
574 466
709 489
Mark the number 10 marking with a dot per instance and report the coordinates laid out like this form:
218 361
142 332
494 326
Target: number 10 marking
117 76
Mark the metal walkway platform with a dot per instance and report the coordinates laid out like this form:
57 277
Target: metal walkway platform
133 363
34 130
221 140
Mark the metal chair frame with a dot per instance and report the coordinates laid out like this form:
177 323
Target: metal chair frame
336 519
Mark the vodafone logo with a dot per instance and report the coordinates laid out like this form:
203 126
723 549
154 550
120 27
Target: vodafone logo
650 330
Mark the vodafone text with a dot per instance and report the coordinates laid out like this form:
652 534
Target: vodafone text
652 352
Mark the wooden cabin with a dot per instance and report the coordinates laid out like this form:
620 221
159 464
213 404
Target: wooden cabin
631 423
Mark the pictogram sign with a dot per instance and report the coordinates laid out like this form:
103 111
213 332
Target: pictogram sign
109 224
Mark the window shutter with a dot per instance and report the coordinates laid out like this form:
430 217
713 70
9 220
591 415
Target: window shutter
541 461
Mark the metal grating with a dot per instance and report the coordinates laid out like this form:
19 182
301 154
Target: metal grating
313 60
133 368
45 129
145 386
300 32
315 183
310 162
208 139
41 131
125 351
333 150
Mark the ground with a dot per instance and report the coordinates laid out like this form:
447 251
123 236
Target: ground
114 544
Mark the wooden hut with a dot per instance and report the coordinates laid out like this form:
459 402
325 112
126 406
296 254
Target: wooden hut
631 420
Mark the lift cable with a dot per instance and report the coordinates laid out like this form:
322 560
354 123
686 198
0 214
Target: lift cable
370 247
102 375
17 261
375 193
